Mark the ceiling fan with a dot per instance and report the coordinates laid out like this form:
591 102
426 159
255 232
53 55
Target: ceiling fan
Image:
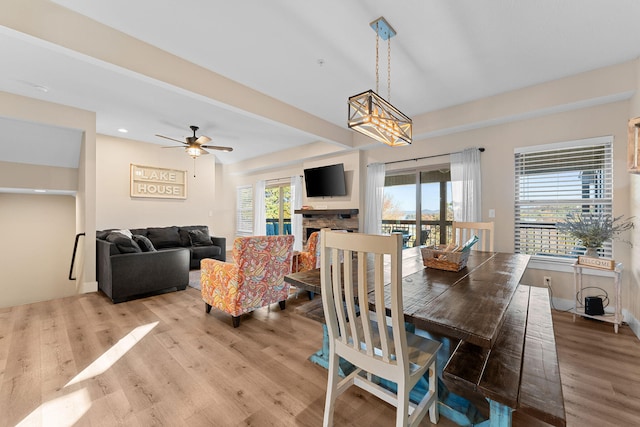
194 146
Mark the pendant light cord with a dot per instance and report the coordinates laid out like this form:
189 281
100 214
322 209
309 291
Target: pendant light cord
377 57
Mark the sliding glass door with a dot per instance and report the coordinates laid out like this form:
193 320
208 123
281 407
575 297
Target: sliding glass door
417 204
278 209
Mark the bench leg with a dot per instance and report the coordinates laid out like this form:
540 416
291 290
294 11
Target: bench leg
500 415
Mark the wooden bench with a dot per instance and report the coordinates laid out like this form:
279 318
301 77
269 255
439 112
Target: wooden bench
520 372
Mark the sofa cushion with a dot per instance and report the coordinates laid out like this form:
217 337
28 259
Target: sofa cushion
200 252
199 238
164 237
144 243
139 231
124 244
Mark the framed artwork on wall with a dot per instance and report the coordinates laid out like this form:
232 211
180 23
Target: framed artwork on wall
157 183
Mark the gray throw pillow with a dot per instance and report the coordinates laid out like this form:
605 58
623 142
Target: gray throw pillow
199 238
144 243
124 244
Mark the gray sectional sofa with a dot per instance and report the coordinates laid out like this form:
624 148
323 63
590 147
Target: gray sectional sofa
139 262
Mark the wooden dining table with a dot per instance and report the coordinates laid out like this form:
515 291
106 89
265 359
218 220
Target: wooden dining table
468 305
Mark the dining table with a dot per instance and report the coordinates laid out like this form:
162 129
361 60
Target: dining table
452 306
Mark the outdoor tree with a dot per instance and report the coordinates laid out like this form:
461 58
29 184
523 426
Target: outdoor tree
390 208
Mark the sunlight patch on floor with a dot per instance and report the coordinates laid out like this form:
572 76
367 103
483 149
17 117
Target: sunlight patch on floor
62 411
111 356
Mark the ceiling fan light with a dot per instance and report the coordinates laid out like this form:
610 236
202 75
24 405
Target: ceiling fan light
194 152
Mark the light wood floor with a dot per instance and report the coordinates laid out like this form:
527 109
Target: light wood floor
194 369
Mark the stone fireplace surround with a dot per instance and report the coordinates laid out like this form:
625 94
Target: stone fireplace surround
335 219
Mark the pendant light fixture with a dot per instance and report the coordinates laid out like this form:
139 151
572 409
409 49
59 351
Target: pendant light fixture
371 114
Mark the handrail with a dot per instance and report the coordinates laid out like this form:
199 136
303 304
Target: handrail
73 258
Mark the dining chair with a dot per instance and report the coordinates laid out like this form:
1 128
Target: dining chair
388 360
461 232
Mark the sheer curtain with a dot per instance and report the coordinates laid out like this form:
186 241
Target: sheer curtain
259 210
373 198
466 185
296 204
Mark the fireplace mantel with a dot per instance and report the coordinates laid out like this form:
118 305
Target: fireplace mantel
316 212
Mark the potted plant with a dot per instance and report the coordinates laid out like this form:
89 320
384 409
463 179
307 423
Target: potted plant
593 229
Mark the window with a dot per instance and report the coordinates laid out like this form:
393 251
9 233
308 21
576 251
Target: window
244 210
553 180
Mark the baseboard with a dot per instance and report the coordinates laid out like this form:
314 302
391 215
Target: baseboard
87 287
634 324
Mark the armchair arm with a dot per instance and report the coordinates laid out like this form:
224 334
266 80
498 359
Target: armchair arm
219 282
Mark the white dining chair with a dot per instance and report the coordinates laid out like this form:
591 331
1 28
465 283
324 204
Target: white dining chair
461 232
361 333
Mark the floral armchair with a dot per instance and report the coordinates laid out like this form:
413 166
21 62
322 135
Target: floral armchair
253 280
308 259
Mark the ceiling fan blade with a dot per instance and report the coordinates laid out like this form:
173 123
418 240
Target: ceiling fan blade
203 139
172 139
171 146
217 147
203 151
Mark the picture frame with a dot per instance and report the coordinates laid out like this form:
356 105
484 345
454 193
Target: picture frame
157 183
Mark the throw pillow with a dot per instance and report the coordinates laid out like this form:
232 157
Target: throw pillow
144 243
124 244
164 237
199 238
125 232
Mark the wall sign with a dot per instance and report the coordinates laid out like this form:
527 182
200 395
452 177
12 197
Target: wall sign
148 181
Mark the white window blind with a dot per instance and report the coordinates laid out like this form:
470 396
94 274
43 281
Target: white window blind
244 210
554 180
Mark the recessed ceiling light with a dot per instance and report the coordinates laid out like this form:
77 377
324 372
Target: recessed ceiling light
41 88
40 191
123 130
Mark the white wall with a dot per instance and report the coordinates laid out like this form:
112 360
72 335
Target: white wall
81 180
498 169
37 244
234 176
115 208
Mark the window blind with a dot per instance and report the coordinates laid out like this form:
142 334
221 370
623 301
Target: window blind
551 182
244 210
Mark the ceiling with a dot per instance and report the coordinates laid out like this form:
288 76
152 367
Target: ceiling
310 55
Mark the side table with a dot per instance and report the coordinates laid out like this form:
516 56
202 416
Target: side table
578 306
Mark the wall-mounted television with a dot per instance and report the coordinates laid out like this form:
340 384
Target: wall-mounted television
325 181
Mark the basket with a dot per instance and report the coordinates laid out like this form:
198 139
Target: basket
436 257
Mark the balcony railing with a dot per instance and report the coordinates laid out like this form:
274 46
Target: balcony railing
430 233
273 226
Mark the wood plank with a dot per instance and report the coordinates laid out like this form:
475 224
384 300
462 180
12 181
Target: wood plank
541 389
462 372
473 308
500 379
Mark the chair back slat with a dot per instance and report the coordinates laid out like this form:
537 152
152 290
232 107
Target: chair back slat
463 231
